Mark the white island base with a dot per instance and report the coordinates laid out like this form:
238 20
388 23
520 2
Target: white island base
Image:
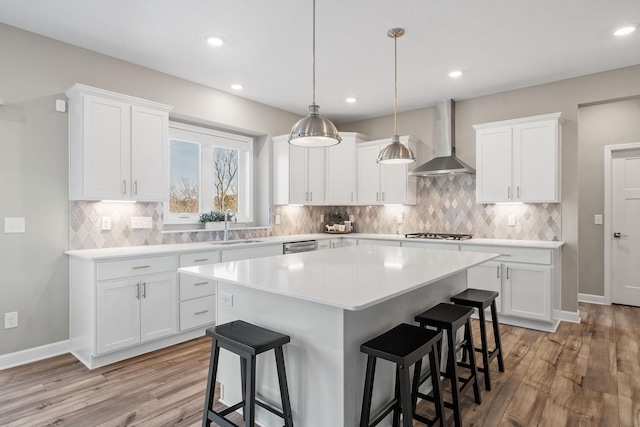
325 368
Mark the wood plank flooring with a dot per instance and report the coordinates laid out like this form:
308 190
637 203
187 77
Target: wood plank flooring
585 374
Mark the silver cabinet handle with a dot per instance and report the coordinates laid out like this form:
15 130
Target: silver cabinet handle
507 273
383 196
201 260
138 290
141 266
518 191
144 289
498 272
306 196
201 312
200 283
377 199
124 187
311 196
135 187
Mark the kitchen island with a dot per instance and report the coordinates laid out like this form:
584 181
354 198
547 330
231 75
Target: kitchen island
329 302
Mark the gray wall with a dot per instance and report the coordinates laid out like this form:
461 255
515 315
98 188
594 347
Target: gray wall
35 72
599 125
564 96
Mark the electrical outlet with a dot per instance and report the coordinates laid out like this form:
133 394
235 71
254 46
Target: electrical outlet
226 299
511 220
277 219
597 219
11 320
400 219
106 223
14 225
321 217
141 222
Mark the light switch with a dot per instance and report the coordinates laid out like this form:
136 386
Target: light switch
321 217
597 219
511 220
141 222
14 225
277 219
400 219
61 105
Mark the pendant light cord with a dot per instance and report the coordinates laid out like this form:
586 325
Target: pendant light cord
313 56
395 85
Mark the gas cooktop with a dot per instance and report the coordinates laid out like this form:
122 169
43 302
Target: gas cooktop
438 236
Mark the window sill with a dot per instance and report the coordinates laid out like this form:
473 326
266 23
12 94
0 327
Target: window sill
192 230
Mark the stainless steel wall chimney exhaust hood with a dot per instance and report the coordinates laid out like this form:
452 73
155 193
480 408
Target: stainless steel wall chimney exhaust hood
444 140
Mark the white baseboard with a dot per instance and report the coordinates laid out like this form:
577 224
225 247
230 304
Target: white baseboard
34 354
567 316
593 299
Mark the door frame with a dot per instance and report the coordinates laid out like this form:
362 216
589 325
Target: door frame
609 150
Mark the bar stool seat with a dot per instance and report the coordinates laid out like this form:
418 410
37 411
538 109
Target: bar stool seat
449 318
483 299
247 341
405 345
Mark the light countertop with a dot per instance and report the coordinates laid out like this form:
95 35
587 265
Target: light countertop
352 278
128 251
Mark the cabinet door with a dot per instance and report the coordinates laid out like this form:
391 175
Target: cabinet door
368 175
107 145
535 162
349 242
118 314
298 175
341 173
393 188
487 276
315 175
149 154
158 306
493 165
248 253
527 291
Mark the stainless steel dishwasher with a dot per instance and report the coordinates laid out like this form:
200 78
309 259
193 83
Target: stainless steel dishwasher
297 247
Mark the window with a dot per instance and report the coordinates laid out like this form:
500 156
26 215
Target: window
208 170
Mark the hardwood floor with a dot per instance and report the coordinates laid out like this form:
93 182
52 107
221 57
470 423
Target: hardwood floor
585 374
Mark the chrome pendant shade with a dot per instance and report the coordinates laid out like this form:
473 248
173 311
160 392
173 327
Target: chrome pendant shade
396 152
314 130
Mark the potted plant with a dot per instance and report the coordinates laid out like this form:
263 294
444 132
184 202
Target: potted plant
334 222
212 220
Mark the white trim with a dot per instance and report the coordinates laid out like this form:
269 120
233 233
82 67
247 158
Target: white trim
608 157
567 316
592 299
34 354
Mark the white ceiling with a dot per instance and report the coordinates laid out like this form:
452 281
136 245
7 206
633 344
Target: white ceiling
498 44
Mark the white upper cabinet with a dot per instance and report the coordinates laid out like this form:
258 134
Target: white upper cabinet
118 146
519 160
315 176
383 184
341 170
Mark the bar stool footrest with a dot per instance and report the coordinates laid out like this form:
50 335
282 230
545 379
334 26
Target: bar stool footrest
270 408
386 410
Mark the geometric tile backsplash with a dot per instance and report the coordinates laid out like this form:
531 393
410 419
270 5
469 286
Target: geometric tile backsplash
445 204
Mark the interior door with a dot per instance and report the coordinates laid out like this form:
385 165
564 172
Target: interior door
625 226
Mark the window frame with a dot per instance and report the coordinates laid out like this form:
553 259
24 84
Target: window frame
207 139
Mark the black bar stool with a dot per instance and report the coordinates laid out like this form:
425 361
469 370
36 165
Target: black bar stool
450 318
404 345
482 299
247 341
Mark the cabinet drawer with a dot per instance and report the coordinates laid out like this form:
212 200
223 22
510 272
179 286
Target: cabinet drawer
189 260
134 267
197 312
195 287
510 254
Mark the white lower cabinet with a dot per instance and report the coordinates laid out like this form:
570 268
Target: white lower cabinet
527 291
329 244
197 295
134 310
524 278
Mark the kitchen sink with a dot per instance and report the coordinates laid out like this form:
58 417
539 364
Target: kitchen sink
234 242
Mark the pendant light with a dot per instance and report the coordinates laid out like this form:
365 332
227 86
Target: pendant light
396 152
314 130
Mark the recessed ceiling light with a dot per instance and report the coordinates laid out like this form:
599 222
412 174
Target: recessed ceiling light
455 74
623 31
236 87
215 41
350 100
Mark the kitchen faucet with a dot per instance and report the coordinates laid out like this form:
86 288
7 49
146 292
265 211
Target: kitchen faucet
227 213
